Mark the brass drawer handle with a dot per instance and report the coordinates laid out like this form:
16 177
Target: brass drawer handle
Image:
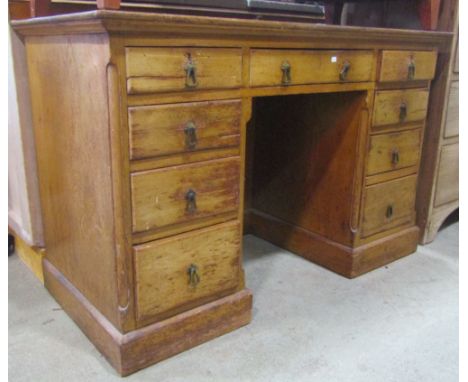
345 70
191 198
286 69
190 136
403 111
395 157
411 70
190 74
194 277
389 212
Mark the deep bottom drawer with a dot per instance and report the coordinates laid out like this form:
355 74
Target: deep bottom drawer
177 273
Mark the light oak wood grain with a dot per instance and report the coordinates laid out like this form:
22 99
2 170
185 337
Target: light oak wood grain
159 196
309 66
163 69
394 66
160 130
452 119
447 175
388 103
162 279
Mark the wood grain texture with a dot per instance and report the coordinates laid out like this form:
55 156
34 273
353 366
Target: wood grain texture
162 279
394 65
163 69
452 119
447 176
388 103
399 195
76 202
393 151
160 130
159 197
309 66
143 347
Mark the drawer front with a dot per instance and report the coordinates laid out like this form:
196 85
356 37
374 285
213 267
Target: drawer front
174 69
447 176
184 193
400 106
388 205
185 127
393 151
407 65
177 272
294 67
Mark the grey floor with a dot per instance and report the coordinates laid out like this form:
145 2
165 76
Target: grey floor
398 323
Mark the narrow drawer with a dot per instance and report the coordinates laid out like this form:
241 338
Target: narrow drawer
403 65
400 106
393 151
388 205
180 194
293 67
185 127
178 272
174 69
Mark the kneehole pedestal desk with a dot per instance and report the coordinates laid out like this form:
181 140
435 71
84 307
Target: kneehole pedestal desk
162 138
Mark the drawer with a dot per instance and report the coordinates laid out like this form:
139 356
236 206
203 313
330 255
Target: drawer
400 106
393 151
178 272
185 127
403 65
293 67
388 205
180 194
173 69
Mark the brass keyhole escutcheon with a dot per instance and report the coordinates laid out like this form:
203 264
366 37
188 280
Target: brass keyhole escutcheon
411 69
190 73
389 212
194 277
190 136
191 199
286 69
395 157
345 70
403 111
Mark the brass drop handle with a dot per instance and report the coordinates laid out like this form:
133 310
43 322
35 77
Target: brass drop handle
194 277
344 71
190 74
395 156
190 136
389 212
191 198
411 70
286 69
403 111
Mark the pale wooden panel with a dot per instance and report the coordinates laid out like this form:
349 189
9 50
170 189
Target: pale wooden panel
395 65
309 66
398 194
163 69
24 212
161 268
160 130
387 106
159 196
452 121
447 176
393 151
72 139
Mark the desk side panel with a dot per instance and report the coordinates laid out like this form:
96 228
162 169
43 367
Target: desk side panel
68 83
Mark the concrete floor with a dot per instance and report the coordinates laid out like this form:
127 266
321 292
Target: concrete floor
398 323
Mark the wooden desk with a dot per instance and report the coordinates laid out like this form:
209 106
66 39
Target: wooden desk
161 138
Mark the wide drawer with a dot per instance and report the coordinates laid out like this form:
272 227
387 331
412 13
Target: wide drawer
185 127
174 69
180 194
403 65
400 106
393 151
270 67
388 205
178 272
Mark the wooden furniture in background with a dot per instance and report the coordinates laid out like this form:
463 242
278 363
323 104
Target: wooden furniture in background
149 174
